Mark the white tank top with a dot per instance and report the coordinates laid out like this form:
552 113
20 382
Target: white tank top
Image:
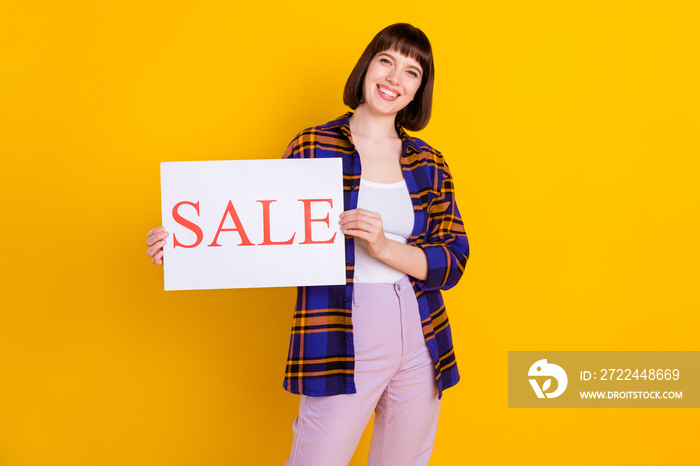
393 202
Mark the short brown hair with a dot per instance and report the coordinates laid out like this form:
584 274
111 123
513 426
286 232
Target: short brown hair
411 42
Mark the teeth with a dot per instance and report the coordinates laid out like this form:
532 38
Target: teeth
386 92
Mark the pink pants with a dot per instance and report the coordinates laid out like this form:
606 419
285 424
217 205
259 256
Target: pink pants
394 377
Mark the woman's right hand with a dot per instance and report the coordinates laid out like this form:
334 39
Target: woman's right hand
155 239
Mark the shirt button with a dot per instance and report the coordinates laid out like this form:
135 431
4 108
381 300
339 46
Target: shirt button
347 261
345 300
398 287
347 336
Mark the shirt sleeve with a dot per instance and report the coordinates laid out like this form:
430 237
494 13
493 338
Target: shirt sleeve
446 245
300 147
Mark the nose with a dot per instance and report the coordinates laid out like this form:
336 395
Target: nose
393 77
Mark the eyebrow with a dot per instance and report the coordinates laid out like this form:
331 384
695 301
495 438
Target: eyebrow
392 57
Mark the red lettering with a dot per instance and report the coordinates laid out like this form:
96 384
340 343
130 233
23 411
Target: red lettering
239 227
187 224
308 220
266 226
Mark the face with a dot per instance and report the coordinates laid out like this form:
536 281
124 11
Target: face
391 82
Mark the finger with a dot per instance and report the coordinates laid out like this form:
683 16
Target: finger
368 212
155 230
372 238
361 217
367 223
361 225
153 250
157 237
364 213
357 213
158 258
360 234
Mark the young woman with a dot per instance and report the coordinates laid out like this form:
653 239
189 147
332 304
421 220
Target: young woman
380 343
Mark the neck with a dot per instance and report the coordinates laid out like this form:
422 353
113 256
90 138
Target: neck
366 123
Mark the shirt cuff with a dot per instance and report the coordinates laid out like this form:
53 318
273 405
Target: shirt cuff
438 266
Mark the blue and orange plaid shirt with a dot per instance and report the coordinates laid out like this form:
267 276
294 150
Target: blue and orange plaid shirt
321 358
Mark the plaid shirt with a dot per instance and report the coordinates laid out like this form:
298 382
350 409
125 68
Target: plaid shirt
321 358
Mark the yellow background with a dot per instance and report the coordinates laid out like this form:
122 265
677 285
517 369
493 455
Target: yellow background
572 132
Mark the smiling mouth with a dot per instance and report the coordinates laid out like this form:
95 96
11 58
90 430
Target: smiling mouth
387 92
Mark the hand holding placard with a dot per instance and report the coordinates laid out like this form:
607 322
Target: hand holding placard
156 240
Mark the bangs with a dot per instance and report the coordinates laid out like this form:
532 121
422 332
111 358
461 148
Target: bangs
413 46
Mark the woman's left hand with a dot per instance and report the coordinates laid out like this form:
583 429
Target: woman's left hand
367 225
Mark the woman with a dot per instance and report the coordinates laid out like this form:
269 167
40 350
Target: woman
382 341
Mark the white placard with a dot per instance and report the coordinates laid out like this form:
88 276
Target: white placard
252 223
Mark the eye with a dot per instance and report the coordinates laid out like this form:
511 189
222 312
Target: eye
413 73
385 60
